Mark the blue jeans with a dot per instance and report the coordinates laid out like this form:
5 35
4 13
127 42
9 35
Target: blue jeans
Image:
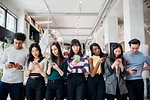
15 90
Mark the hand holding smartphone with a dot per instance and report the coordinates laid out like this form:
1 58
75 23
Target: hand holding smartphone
77 58
10 65
134 70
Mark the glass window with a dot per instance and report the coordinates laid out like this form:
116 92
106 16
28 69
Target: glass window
11 23
2 17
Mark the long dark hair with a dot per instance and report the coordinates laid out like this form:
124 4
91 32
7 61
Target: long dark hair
31 57
91 48
60 56
75 42
113 47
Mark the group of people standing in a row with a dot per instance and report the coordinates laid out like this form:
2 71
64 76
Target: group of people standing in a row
122 72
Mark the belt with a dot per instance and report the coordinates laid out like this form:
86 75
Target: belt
36 77
55 81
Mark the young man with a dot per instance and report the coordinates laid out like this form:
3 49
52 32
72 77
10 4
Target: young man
135 62
12 62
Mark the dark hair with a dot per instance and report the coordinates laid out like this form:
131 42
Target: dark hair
60 55
91 48
19 36
31 57
113 47
75 42
134 41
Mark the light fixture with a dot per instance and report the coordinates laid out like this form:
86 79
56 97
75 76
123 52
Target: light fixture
81 2
45 22
46 9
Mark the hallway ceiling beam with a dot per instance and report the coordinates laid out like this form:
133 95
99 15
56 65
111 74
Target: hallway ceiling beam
63 14
68 28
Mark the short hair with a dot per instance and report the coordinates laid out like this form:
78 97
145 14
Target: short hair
134 41
19 36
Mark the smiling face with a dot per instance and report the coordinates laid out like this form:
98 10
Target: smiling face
117 52
75 48
18 44
134 48
54 50
35 52
96 50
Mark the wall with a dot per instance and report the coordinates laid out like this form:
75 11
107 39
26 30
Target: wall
9 6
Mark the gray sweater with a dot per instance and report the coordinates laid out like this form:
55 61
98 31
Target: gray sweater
136 61
13 55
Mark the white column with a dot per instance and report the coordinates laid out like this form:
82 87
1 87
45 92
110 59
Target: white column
133 21
21 22
134 28
111 31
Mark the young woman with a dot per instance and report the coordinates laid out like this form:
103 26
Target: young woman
96 84
78 65
115 72
57 69
36 71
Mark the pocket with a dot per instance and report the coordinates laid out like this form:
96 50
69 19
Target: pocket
108 82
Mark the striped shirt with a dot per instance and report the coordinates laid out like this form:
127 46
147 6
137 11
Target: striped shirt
81 67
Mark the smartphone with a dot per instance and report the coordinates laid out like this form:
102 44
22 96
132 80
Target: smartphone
12 63
105 55
77 58
134 70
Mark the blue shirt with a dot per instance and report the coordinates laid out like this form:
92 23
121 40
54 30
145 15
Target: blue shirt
136 61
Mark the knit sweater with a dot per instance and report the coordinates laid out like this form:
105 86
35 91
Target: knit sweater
12 75
81 67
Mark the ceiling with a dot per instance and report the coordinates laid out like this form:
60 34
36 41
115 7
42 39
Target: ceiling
69 19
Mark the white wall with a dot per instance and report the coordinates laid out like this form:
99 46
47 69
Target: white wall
9 6
18 13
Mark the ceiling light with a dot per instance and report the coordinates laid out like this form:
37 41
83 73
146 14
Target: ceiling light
90 37
44 22
80 2
46 9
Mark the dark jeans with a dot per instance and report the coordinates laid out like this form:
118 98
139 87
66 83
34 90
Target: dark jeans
118 95
54 87
149 90
96 87
76 86
15 90
136 89
35 88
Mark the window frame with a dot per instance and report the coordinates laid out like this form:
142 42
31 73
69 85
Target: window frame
14 18
7 11
4 16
